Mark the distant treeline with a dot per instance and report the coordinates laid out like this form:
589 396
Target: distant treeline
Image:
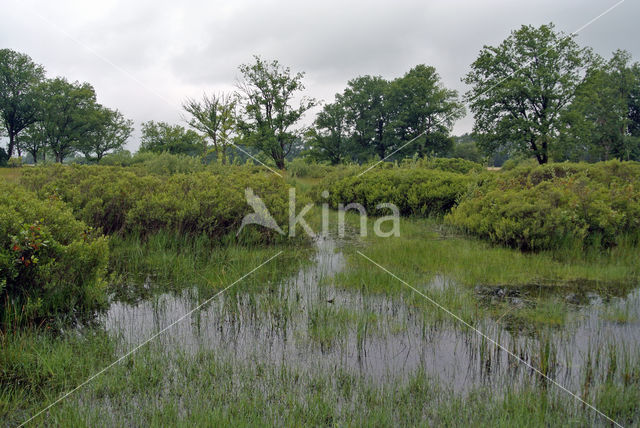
538 94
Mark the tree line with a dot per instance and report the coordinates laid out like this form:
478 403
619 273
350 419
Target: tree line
537 94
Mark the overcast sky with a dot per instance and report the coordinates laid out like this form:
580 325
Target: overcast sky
145 57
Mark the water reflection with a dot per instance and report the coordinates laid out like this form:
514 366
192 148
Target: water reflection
307 322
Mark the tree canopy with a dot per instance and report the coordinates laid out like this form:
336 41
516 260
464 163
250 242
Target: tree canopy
266 91
161 137
19 76
521 88
215 118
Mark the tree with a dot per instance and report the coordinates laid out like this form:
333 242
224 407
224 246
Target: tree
423 106
266 91
108 131
33 140
376 117
19 75
161 137
368 115
600 121
521 88
329 140
464 147
215 117
67 111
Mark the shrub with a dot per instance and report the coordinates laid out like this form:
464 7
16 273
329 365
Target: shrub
166 163
415 191
51 265
555 205
461 166
132 200
14 162
301 168
119 158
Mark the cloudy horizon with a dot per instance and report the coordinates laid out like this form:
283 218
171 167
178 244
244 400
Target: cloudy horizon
146 58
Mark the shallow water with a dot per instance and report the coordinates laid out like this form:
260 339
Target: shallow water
308 323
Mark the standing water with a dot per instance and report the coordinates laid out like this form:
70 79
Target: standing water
307 322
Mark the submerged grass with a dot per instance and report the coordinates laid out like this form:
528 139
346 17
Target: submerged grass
427 251
166 261
160 388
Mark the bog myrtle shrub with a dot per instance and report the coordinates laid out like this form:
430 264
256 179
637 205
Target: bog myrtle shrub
52 266
300 168
143 201
461 166
415 191
554 205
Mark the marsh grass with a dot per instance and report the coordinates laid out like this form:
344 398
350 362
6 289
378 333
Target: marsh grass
166 261
157 387
427 249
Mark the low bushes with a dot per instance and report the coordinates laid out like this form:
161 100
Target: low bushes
52 266
300 168
132 200
555 205
415 191
461 166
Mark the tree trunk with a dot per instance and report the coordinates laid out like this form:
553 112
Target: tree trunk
12 140
279 159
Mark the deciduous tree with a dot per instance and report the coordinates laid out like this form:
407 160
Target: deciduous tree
161 137
521 88
215 117
19 76
267 91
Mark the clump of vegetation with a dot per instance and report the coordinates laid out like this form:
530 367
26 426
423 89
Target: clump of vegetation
554 206
52 266
134 200
415 191
461 166
300 168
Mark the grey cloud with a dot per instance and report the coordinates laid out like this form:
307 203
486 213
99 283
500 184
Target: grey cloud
180 49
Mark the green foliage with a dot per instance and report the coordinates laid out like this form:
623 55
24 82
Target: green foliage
373 117
300 168
460 166
215 117
109 131
4 157
600 123
267 90
367 116
166 163
67 111
141 200
521 88
158 137
422 105
19 76
51 265
328 139
465 147
14 162
555 206
415 191
163 163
